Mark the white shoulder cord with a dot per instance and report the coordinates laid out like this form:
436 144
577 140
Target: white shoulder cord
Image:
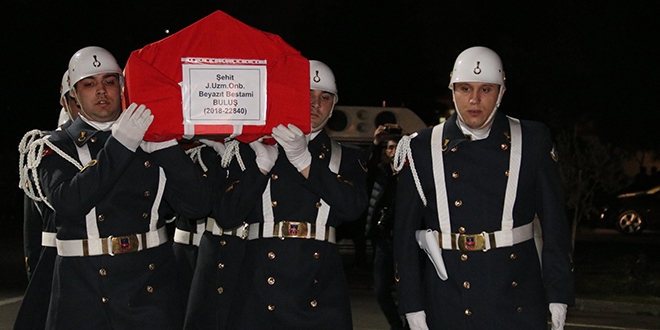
232 150
195 155
403 151
23 148
34 155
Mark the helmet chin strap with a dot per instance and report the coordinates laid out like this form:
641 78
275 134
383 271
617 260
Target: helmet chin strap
482 131
101 126
67 108
320 127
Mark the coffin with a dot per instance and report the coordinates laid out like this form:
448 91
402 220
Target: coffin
219 77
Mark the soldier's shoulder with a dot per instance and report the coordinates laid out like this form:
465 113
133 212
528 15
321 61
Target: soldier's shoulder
421 137
533 126
58 137
535 131
350 146
423 133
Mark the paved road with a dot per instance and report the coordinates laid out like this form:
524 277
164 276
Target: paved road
366 314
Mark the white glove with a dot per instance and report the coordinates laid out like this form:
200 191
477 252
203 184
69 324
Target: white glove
266 155
294 143
558 312
150 147
131 125
219 147
417 320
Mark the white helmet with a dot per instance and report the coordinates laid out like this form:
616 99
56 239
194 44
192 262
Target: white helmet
90 61
322 78
64 85
64 88
477 64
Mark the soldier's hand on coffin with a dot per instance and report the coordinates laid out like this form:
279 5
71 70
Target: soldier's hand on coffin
294 143
558 313
131 125
266 155
150 147
219 147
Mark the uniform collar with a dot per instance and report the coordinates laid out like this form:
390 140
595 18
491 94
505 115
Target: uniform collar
80 132
320 138
320 146
453 133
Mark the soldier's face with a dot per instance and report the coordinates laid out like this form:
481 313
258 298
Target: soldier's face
100 97
475 102
321 104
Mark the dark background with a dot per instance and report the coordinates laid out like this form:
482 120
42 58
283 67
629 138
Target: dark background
569 64
566 62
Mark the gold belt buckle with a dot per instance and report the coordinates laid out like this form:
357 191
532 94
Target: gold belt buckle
294 229
472 242
124 244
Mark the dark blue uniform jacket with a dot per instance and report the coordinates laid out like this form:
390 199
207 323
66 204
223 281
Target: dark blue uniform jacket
503 288
126 291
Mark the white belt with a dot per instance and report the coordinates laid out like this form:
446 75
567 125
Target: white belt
111 245
485 241
240 231
187 238
433 244
291 229
48 239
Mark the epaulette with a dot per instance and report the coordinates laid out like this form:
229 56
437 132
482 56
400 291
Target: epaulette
23 149
195 154
232 150
31 159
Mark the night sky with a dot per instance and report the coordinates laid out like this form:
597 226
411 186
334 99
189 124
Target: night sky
566 62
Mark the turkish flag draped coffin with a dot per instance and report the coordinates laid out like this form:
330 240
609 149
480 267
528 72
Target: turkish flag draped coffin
154 75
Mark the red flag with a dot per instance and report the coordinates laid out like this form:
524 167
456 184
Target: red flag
154 74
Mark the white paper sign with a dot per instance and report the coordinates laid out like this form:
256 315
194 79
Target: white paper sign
224 91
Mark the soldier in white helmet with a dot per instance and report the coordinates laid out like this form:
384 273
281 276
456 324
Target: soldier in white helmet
292 196
111 192
469 190
39 230
70 108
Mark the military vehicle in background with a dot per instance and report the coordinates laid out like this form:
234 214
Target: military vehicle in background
356 124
